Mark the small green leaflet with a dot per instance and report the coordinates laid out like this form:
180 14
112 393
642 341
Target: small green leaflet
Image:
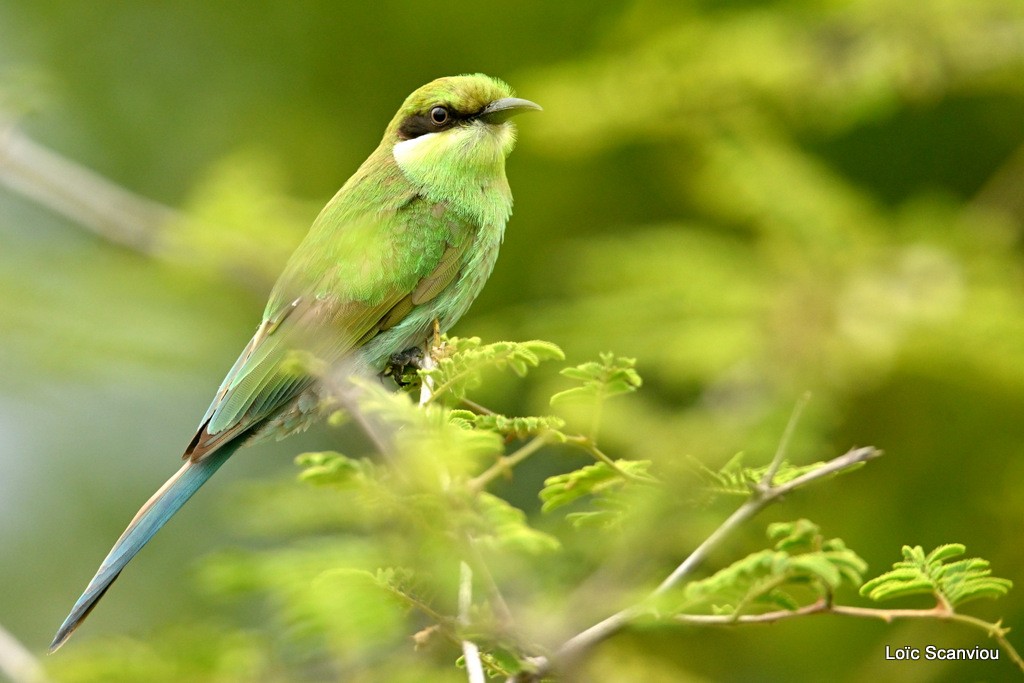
595 479
463 359
801 560
955 582
601 380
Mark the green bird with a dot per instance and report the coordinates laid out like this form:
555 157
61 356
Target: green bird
410 239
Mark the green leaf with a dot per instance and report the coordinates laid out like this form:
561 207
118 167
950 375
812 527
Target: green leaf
518 427
595 479
462 360
329 468
506 527
801 561
611 377
955 582
595 519
735 479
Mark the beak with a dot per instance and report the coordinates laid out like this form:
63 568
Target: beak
502 110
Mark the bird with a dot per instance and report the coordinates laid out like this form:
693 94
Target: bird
400 252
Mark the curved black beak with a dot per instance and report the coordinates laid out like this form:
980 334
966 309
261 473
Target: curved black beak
502 110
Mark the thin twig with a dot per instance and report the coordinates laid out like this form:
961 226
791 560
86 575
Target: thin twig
476 407
756 503
505 463
588 445
498 602
822 606
470 652
787 435
348 398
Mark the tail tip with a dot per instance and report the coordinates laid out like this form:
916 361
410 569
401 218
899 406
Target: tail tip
58 640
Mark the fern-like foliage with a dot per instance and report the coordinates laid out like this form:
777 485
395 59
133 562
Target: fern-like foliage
517 427
736 479
506 528
801 563
329 468
593 480
611 376
953 582
462 360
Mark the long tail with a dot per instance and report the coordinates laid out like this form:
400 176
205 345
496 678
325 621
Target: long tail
148 520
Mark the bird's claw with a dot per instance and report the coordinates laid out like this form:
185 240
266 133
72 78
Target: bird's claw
402 366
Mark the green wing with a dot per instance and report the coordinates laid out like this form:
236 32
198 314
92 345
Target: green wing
372 274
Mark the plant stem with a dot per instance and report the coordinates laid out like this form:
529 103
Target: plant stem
822 606
587 444
787 435
506 463
470 652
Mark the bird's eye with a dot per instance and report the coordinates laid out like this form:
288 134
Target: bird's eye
439 115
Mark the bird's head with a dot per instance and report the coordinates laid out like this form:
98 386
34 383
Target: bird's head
455 128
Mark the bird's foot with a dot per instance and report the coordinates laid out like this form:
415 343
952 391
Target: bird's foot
402 366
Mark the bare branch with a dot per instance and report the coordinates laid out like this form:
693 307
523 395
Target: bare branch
17 663
994 630
85 197
470 652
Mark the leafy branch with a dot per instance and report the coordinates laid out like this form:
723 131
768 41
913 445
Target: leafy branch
461 360
760 497
600 381
950 583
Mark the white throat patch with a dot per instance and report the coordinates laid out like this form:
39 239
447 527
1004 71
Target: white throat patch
407 151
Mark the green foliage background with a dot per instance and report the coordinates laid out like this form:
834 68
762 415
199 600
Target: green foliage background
753 199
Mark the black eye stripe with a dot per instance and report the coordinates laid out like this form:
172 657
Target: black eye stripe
421 124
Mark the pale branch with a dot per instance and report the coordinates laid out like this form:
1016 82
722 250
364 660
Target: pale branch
347 397
427 386
470 651
81 195
995 630
17 663
476 407
761 496
498 602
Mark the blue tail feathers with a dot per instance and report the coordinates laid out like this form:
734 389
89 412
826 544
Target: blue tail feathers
149 520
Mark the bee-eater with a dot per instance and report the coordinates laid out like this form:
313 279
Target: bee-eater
410 239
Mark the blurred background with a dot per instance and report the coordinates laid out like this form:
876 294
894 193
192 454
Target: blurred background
754 199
